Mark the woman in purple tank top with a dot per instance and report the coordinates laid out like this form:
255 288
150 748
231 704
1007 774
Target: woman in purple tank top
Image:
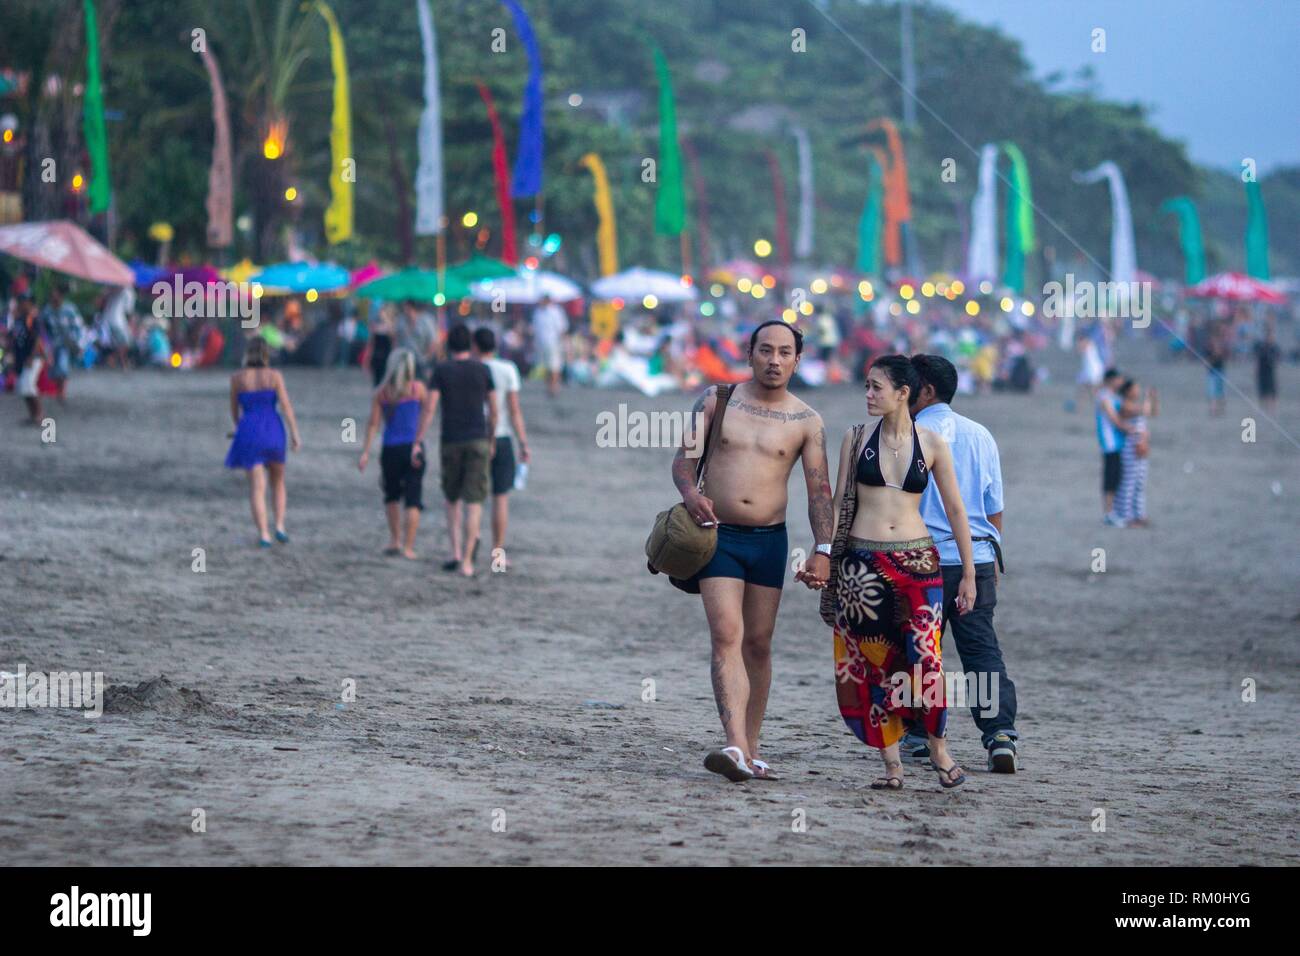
258 445
398 402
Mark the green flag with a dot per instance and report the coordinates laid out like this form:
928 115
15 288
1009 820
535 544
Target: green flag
101 188
1019 219
670 199
1189 235
1256 233
869 223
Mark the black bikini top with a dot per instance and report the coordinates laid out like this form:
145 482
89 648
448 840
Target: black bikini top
869 473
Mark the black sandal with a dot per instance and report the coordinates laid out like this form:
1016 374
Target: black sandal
887 782
945 776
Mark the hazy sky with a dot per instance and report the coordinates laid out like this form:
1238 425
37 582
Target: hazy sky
1223 76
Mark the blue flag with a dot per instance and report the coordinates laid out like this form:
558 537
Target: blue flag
528 161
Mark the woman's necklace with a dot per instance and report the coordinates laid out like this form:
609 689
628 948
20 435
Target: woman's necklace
891 447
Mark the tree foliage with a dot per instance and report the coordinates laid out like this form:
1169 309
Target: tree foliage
739 85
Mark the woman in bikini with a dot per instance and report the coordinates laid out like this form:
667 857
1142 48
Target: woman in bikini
887 588
399 401
258 444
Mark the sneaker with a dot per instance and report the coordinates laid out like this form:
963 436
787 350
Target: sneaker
1113 520
1002 755
915 750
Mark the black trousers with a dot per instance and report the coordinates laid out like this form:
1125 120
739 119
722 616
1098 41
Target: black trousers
977 644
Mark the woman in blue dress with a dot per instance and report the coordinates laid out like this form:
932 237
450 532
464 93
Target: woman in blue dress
399 402
258 444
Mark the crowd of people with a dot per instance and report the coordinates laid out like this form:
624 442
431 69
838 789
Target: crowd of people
481 423
907 535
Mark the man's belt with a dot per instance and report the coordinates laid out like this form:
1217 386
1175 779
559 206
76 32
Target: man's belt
997 547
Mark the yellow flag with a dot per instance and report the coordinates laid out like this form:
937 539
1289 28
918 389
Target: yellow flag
338 217
604 317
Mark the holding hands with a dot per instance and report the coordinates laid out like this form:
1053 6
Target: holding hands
816 573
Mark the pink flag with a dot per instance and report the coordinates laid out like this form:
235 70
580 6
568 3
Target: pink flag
220 232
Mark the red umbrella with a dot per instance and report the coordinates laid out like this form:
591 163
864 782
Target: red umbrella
65 247
1236 287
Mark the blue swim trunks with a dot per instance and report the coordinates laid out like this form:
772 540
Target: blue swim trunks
755 555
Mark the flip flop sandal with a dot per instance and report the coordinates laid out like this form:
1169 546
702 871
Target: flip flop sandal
761 770
945 775
887 782
732 767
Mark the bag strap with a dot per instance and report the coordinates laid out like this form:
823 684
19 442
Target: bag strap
715 429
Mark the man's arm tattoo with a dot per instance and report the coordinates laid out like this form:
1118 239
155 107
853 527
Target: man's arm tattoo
821 514
684 468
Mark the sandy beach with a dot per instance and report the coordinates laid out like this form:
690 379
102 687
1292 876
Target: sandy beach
503 720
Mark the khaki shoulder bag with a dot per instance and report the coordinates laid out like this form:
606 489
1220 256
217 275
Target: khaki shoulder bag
677 546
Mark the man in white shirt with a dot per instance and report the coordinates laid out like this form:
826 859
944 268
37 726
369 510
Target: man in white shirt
550 325
505 392
979 477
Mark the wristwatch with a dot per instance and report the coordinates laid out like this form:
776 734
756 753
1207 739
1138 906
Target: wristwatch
824 549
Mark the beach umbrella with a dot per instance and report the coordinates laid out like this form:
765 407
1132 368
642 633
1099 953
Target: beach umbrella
1235 287
419 285
633 284
203 274
367 273
527 288
302 277
478 268
735 269
146 274
241 271
65 247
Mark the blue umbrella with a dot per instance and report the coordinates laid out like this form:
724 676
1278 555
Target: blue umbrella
146 275
302 276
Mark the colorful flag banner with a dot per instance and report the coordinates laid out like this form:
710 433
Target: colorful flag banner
670 198
1019 219
870 221
501 174
1256 233
982 251
220 203
1123 250
1189 236
803 243
604 317
782 216
528 160
100 189
429 209
338 214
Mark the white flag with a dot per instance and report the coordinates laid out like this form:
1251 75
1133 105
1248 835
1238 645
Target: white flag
982 252
1123 250
428 177
803 242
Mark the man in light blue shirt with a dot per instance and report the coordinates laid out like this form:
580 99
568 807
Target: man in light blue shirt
979 477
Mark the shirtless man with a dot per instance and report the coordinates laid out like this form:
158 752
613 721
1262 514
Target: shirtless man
765 430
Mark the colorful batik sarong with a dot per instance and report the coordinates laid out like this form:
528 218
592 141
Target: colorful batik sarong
888 628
